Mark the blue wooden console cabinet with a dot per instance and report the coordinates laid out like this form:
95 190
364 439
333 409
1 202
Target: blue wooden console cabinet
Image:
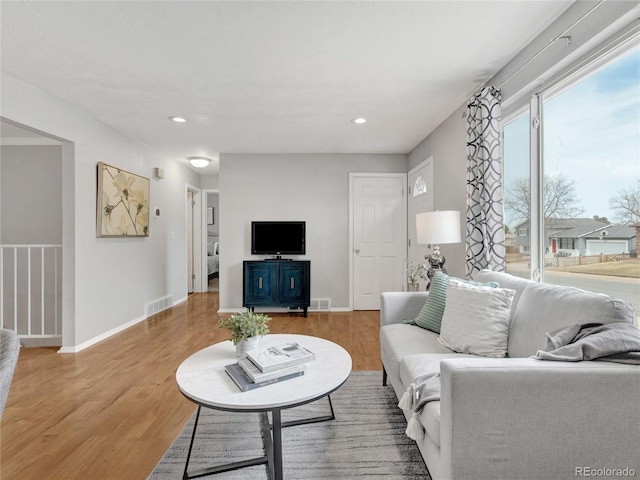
276 283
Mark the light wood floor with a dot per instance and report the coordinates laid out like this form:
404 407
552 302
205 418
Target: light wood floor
112 410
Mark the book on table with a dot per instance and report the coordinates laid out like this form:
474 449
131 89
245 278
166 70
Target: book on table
280 356
244 382
257 375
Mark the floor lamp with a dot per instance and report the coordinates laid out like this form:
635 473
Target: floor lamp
437 228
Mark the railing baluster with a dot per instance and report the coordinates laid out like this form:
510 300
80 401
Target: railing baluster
55 291
42 332
29 291
15 289
1 287
43 328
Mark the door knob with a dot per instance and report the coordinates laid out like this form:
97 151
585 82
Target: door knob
357 250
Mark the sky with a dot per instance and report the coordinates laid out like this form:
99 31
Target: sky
591 135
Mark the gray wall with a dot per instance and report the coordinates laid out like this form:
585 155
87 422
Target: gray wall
448 146
31 194
106 281
209 182
310 187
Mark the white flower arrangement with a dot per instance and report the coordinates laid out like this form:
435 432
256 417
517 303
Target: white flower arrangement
416 271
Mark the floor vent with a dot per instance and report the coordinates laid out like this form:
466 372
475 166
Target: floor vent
320 305
159 305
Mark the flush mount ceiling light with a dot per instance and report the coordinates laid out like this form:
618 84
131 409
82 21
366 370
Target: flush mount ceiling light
359 120
199 162
177 119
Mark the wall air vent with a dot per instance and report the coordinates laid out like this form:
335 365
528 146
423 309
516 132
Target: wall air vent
151 308
320 305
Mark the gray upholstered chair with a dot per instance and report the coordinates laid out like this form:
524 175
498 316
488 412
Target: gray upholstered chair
9 351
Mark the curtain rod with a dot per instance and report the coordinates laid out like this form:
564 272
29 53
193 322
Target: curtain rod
561 36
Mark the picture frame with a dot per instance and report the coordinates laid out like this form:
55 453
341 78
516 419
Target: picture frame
122 203
210 219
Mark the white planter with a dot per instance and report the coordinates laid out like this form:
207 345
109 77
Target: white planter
250 343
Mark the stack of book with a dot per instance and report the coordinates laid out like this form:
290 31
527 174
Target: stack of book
264 366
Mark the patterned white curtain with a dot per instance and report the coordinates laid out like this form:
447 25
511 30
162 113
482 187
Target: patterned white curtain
485 200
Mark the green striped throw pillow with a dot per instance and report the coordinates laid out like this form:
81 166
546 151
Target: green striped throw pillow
430 316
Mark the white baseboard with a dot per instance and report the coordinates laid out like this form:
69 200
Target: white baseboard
276 310
163 305
183 299
110 333
230 310
101 337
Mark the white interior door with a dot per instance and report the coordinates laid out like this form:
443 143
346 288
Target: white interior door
419 199
379 237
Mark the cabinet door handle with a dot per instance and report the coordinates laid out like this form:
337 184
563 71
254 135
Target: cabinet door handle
292 282
259 282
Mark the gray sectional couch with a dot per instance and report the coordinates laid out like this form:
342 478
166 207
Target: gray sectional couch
519 417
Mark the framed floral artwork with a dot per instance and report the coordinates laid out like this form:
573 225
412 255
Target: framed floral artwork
122 203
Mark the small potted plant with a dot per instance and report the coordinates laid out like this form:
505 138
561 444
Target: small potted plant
415 271
246 329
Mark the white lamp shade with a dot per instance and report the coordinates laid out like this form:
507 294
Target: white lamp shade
438 227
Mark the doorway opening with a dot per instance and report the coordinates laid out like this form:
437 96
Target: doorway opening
211 239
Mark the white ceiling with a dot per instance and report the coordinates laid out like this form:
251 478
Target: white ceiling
267 77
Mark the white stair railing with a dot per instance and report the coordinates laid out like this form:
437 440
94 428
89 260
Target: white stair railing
31 290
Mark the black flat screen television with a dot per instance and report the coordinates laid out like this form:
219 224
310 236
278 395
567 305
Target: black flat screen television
277 238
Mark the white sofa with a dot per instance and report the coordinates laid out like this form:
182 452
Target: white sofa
518 417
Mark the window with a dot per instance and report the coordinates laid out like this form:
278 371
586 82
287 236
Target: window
566 244
585 178
516 192
420 187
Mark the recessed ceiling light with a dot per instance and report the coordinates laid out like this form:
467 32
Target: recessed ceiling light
359 120
199 162
177 119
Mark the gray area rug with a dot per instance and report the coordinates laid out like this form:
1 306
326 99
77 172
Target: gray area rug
366 439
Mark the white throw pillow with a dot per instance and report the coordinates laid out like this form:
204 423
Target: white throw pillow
476 319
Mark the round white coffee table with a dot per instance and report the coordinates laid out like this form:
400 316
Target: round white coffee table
203 380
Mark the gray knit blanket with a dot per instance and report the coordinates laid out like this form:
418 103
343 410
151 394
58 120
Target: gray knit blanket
423 389
612 342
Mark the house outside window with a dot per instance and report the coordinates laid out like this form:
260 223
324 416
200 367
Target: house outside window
589 177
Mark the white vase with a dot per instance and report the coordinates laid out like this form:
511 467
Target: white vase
250 343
